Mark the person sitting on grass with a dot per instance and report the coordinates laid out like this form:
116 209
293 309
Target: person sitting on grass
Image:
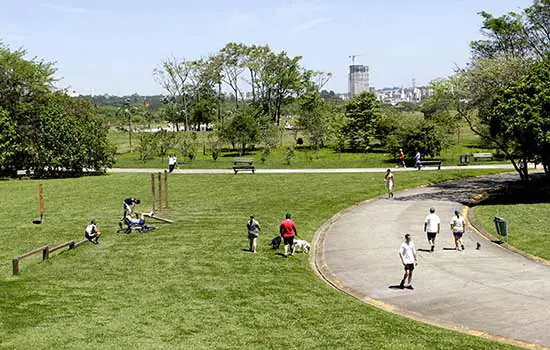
92 233
140 219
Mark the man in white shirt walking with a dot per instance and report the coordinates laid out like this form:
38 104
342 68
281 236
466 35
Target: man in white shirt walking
432 226
407 254
458 226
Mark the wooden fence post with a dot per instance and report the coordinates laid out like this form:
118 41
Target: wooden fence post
15 266
166 188
154 197
160 191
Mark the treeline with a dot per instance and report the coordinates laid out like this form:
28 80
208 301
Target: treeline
44 130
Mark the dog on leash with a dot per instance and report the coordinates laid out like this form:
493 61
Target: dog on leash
276 242
301 245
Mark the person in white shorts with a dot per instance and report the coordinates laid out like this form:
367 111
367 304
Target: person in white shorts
254 229
407 254
432 226
389 181
458 226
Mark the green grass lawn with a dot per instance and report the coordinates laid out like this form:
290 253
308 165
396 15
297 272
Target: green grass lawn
526 225
304 157
190 285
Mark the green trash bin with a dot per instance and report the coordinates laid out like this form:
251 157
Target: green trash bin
501 225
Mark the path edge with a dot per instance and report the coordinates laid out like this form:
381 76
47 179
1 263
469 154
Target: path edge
320 268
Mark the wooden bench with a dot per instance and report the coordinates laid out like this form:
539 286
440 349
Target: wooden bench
46 251
15 262
432 163
243 164
477 156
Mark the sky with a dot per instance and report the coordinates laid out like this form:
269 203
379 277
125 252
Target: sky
112 46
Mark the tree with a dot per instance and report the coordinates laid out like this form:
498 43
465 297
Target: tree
173 75
362 113
520 114
54 133
241 129
8 137
313 118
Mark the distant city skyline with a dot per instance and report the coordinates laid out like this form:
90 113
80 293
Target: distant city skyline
112 47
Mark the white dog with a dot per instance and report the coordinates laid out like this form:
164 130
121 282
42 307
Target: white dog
302 245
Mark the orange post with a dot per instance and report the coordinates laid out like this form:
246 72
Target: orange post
41 197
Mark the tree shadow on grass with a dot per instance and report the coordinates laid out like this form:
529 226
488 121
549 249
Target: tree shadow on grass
535 191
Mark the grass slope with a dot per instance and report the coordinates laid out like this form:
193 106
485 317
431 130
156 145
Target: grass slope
190 285
526 225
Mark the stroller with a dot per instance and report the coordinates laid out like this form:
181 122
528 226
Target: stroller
127 226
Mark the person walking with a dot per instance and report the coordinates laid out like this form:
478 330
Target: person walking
458 226
171 163
407 254
432 226
389 181
254 229
402 158
417 160
288 232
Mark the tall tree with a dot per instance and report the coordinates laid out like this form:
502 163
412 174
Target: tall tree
173 75
362 113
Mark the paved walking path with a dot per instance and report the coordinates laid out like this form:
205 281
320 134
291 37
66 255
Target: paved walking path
491 290
303 171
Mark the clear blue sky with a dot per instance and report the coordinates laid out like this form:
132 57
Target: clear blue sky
112 46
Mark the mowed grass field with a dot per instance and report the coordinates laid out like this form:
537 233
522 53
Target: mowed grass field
527 225
191 285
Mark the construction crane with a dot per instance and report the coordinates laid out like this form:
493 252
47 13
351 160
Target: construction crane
353 58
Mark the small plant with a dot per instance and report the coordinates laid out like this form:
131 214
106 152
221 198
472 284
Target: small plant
289 155
215 154
265 153
191 154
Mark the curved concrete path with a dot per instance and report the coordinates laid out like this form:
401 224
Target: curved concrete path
503 295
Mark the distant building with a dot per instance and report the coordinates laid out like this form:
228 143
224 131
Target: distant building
358 79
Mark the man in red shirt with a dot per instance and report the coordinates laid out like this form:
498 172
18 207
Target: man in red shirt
288 231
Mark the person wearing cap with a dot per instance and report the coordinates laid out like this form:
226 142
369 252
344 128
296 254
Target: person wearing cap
128 205
432 226
458 226
254 229
92 232
388 179
407 254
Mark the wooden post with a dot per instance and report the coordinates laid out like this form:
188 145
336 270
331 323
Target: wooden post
41 198
154 197
160 191
15 265
45 253
166 189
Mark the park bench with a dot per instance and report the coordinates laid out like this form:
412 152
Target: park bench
488 156
432 163
243 164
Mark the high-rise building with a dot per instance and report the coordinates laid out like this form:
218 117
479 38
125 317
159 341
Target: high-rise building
358 79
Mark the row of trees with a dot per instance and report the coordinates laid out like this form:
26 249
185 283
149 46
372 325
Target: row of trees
504 92
44 130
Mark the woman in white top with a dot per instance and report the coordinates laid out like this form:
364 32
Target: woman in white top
458 226
389 181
